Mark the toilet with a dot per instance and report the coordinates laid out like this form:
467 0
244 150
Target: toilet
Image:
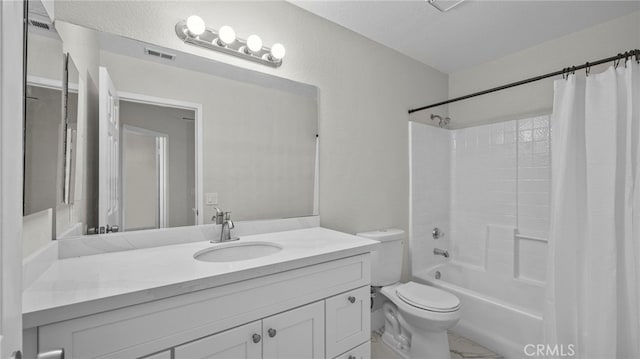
417 316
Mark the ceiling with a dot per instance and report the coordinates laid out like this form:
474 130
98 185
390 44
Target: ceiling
470 34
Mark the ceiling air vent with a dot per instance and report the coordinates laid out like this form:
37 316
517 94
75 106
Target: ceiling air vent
160 54
40 24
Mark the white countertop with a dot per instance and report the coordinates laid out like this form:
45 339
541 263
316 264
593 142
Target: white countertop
81 286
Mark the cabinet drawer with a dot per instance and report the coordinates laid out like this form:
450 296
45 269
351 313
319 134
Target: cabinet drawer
348 320
363 351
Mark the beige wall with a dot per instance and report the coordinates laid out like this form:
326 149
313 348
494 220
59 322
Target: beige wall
594 43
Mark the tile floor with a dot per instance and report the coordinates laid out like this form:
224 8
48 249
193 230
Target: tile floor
460 347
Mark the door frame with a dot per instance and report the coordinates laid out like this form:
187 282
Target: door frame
161 171
12 81
198 139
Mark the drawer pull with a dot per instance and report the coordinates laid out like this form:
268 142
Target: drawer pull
352 299
256 338
272 332
352 356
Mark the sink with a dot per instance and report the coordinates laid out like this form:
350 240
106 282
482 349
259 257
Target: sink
239 251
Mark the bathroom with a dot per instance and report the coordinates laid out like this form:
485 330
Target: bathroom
324 153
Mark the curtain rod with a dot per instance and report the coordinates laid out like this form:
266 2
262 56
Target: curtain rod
564 71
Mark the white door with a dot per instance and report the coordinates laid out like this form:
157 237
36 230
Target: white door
296 334
109 153
11 115
243 342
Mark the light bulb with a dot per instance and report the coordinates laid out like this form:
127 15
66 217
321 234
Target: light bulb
196 25
254 43
227 35
278 51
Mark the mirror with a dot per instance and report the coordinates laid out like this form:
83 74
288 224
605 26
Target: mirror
50 121
163 137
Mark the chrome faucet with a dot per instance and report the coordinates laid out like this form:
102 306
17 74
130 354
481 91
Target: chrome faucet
218 218
227 226
441 252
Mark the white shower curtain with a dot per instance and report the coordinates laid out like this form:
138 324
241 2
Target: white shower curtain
592 301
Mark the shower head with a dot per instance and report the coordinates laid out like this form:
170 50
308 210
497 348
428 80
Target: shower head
442 122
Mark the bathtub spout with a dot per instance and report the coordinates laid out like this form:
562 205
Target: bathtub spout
440 252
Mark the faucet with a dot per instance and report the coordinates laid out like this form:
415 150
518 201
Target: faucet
218 217
225 231
440 252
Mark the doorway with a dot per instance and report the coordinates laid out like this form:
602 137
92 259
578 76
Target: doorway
158 166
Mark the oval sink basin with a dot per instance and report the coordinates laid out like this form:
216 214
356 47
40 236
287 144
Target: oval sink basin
239 251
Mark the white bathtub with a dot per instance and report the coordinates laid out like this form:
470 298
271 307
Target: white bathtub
499 312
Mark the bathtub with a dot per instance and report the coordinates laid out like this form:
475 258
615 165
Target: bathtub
500 312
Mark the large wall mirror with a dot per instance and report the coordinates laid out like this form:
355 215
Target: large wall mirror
155 138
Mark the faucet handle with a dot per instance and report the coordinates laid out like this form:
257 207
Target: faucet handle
227 216
218 217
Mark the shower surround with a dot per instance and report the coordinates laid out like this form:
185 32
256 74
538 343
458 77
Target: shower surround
487 187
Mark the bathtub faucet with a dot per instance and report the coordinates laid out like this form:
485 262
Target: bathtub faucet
440 252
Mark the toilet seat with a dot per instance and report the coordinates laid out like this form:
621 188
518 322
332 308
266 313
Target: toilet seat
427 298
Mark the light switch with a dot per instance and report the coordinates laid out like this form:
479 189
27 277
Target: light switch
211 199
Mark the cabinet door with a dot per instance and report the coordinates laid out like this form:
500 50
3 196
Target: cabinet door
244 342
295 334
348 320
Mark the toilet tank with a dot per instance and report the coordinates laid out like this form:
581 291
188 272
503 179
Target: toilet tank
386 261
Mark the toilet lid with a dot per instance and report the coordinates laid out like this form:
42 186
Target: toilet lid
427 297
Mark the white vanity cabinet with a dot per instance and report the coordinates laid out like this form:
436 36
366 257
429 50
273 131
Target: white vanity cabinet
298 333
244 342
319 311
348 320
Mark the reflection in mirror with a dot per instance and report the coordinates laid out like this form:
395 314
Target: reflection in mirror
43 121
70 127
175 136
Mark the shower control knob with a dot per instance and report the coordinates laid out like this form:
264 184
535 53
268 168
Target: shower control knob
352 299
437 233
256 338
272 332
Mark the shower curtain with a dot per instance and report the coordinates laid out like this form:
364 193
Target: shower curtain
592 301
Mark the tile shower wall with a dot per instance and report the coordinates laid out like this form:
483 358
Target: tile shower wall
499 177
484 187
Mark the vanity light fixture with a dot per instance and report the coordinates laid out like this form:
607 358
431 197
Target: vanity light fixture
193 31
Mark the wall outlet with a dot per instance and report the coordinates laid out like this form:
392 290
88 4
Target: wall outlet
211 199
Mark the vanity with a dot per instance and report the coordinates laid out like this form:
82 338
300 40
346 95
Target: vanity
308 300
155 139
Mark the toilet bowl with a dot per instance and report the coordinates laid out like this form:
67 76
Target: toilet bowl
417 316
